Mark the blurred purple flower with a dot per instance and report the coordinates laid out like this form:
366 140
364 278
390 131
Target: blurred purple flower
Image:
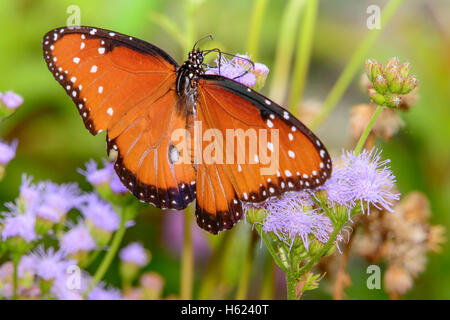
26 265
16 223
56 200
100 176
116 185
12 100
7 151
99 292
134 253
173 235
77 239
68 287
51 264
291 216
99 212
29 193
362 179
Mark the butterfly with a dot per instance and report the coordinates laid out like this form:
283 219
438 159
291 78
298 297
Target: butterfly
140 96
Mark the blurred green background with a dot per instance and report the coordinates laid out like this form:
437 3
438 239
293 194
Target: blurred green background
54 142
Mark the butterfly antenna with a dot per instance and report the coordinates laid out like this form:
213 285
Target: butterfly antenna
202 38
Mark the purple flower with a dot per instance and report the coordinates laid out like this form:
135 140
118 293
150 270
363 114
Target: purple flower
96 176
7 151
99 292
134 253
26 266
71 285
11 100
362 179
116 185
50 264
290 217
237 69
57 200
17 224
99 212
29 193
100 176
77 239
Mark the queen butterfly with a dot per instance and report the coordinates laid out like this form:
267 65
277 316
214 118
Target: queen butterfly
139 95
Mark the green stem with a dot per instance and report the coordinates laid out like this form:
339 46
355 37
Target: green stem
245 276
284 50
16 259
272 251
305 39
187 258
291 284
111 253
354 64
259 8
312 262
366 132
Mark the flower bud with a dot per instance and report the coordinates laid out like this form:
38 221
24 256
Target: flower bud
101 236
404 70
255 216
395 86
9 102
393 100
260 71
42 225
392 63
376 97
380 84
373 68
409 84
152 285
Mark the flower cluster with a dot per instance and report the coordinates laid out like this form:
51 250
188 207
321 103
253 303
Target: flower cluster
390 81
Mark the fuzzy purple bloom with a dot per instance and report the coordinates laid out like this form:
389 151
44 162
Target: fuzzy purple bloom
100 176
57 198
26 265
12 100
99 292
99 212
68 287
134 253
77 239
51 264
290 217
364 179
29 193
237 69
97 176
7 151
17 224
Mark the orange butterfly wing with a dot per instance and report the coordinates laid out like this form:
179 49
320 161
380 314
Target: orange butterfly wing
302 160
127 87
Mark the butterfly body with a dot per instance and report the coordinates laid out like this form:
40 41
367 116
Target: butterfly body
142 98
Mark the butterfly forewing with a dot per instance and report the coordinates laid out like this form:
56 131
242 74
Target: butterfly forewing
127 87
